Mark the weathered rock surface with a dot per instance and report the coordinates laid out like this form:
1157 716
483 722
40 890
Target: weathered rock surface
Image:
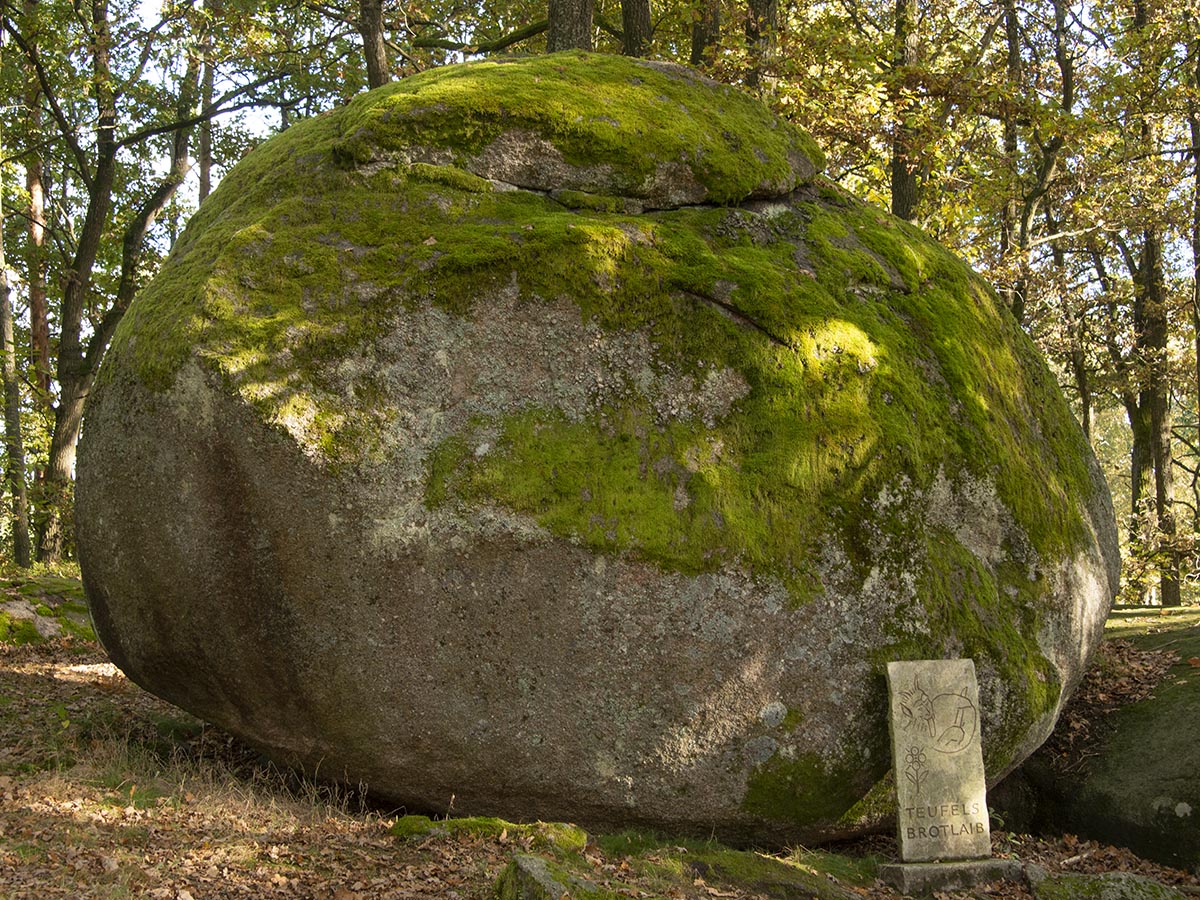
547 438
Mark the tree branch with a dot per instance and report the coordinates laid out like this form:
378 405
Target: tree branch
214 109
492 46
1050 238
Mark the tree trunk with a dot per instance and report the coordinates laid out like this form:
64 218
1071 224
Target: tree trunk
706 31
1137 411
1083 385
1140 486
1194 126
570 25
1076 334
204 152
77 362
1011 294
53 536
72 368
39 322
14 465
1140 465
1159 390
904 162
1081 374
370 26
636 27
762 26
1154 335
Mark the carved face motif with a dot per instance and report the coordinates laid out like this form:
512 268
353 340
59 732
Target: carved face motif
916 707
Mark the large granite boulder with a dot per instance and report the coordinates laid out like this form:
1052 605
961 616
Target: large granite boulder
545 437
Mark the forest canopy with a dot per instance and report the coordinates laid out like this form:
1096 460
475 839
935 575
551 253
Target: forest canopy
1054 144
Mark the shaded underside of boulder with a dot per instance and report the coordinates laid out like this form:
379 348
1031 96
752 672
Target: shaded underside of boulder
546 437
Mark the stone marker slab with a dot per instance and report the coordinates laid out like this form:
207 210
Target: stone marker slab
938 759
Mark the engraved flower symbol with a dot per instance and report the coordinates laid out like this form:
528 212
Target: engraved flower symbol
914 766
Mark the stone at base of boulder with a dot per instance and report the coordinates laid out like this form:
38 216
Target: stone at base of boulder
925 878
533 878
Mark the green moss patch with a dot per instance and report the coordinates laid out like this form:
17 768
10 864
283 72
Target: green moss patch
805 789
18 631
841 399
986 614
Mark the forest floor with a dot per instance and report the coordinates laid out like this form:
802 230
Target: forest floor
108 792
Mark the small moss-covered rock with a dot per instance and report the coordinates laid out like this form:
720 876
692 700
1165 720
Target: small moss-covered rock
546 437
657 865
1140 784
1110 886
39 605
15 630
530 877
560 836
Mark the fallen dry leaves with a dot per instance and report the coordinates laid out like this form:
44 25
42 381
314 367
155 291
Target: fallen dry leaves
109 792
1121 674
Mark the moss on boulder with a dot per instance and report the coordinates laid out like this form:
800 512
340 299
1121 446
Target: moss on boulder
547 434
